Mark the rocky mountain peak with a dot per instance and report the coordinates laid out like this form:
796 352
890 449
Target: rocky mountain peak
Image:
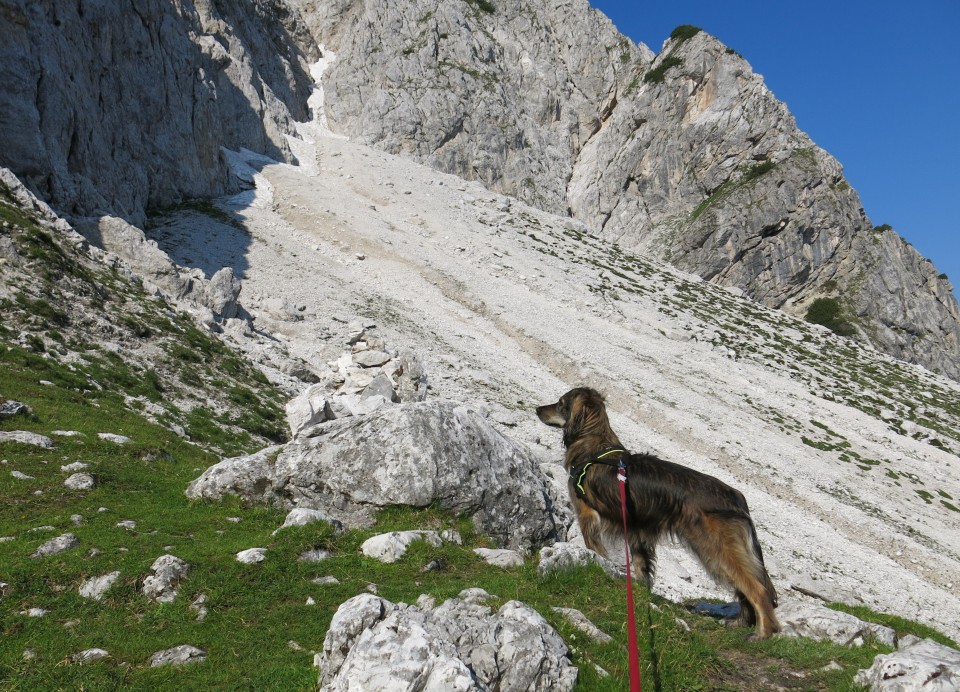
686 155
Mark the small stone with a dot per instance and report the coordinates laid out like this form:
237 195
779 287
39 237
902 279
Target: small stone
325 581
89 656
252 555
116 439
57 545
75 466
80 481
178 656
96 587
314 555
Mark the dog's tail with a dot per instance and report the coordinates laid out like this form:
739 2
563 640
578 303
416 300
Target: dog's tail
763 568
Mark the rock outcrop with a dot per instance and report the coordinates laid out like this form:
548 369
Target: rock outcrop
116 107
461 644
418 454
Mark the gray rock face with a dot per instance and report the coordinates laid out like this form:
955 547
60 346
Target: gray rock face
119 106
505 97
416 454
373 644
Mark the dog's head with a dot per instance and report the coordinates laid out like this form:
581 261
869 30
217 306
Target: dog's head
578 412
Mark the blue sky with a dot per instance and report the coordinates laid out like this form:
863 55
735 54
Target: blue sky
877 84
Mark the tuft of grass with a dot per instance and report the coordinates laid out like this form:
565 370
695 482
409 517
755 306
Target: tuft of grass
829 313
658 74
483 6
684 32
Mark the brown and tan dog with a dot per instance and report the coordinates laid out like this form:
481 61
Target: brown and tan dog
663 499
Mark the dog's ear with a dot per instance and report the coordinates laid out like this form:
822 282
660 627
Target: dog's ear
576 415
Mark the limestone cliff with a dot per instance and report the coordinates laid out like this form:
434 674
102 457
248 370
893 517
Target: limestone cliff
115 107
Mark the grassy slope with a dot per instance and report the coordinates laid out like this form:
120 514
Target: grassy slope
255 610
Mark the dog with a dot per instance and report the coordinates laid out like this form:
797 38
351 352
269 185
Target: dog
663 498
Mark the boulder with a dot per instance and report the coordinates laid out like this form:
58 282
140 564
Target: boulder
248 476
374 644
310 407
800 619
26 438
422 454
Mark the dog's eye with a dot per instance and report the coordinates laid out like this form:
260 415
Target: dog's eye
563 407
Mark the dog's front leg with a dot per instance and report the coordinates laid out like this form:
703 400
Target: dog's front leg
590 526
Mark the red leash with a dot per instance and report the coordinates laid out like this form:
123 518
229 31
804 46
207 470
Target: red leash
632 619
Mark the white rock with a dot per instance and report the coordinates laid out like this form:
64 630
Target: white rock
301 516
57 545
26 438
252 555
80 481
116 439
390 547
178 656
918 665
96 587
800 619
168 572
500 557
314 555
582 623
561 556
310 407
89 656
75 466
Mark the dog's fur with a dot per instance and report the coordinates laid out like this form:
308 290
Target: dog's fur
663 499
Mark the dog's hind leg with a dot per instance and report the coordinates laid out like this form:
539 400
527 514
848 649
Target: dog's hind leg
725 545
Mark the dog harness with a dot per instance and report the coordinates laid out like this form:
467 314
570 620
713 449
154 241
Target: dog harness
579 472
